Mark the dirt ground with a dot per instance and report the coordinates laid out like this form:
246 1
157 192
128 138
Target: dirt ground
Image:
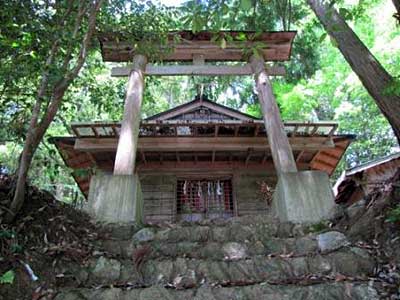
45 231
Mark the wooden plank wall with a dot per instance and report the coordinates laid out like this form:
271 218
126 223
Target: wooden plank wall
247 193
159 197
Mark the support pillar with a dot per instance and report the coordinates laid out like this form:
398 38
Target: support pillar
128 139
281 150
118 198
301 197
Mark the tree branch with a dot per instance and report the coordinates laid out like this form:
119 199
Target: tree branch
62 86
84 49
396 4
78 22
37 131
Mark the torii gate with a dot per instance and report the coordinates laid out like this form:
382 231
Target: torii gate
294 190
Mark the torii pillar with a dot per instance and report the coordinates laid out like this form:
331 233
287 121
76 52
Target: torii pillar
301 197
117 198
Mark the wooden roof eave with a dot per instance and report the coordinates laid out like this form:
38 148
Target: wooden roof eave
342 142
65 153
83 182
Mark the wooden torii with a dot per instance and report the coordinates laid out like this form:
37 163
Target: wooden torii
304 196
200 49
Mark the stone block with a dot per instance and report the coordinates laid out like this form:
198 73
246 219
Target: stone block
331 241
303 197
116 198
234 251
144 235
106 270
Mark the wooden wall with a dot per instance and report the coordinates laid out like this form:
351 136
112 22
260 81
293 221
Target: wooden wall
159 197
249 200
159 192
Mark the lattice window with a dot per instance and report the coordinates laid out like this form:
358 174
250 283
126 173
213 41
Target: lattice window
204 199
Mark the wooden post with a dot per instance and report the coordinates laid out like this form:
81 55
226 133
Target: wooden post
128 138
282 154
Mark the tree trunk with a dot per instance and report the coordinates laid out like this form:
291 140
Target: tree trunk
371 73
25 161
38 129
396 4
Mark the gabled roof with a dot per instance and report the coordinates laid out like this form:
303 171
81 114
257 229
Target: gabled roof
198 103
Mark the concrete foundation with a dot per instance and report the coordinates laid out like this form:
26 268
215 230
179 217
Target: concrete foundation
116 198
303 197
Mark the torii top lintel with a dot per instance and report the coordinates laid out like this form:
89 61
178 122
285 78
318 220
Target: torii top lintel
277 46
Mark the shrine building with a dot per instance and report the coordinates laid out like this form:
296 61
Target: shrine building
201 159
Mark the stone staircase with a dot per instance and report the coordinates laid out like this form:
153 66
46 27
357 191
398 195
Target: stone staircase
242 258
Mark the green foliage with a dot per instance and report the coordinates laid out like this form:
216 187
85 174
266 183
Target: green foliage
8 277
345 13
144 22
7 234
15 248
393 87
318 227
246 4
216 15
393 215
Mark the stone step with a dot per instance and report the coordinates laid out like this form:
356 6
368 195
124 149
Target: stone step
238 228
325 291
186 273
214 250
213 244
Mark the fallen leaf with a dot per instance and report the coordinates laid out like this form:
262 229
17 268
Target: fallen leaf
340 277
